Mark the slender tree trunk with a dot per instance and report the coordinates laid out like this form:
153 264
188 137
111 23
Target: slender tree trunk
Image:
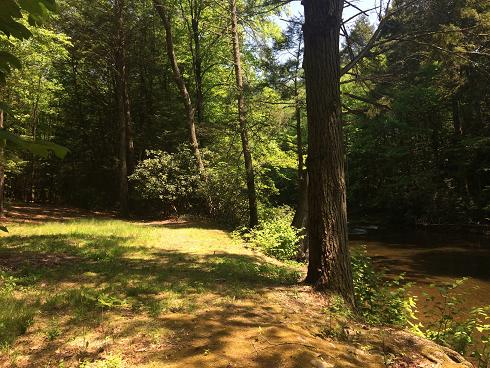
2 170
300 220
329 260
301 214
125 143
35 120
129 132
249 169
77 89
186 99
458 126
299 140
198 73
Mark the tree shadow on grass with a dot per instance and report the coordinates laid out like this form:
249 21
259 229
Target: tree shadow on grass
158 306
85 277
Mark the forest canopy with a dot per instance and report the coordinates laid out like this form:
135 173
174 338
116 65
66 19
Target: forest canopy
144 94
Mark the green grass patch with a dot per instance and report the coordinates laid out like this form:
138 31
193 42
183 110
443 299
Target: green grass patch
83 271
15 314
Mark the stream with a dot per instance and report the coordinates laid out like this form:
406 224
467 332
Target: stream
427 258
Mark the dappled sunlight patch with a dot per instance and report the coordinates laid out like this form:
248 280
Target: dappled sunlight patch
162 296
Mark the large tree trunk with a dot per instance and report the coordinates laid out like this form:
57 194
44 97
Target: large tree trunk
186 99
329 260
249 169
125 138
2 170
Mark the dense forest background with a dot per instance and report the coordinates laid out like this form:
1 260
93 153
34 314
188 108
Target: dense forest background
416 110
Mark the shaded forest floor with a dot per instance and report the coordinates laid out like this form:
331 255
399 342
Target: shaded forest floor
81 289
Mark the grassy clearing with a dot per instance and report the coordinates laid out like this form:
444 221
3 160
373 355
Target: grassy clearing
113 294
77 284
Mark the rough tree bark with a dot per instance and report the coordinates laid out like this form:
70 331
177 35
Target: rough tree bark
242 119
125 133
329 260
2 169
162 11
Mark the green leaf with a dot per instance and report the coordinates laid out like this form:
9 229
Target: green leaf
13 28
50 5
6 58
10 9
4 229
33 7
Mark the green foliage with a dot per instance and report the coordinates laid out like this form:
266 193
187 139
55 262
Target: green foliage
418 159
11 25
224 187
276 237
339 317
15 314
7 63
466 333
28 96
168 181
53 331
481 351
379 301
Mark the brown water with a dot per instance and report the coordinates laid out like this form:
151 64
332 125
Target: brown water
433 258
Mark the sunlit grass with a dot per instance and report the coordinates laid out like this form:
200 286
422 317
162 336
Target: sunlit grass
76 275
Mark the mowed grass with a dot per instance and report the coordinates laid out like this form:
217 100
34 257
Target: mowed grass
61 281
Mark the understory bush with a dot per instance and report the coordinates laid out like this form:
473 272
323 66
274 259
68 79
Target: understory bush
170 183
276 237
380 301
447 323
167 182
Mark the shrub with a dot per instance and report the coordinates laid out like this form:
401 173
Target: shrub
380 301
226 190
449 326
276 237
168 181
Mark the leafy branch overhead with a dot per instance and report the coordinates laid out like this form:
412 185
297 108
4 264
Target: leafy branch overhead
12 25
